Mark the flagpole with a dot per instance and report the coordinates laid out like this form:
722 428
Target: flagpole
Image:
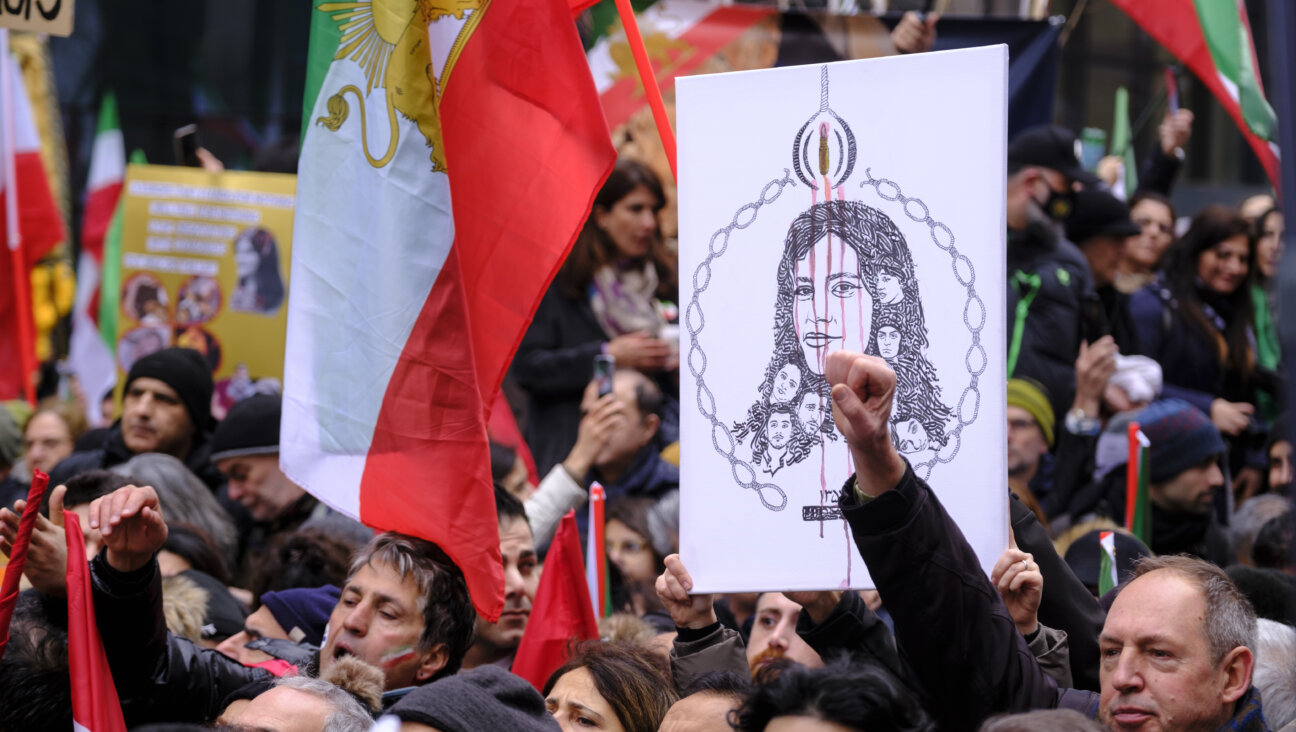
18 264
649 80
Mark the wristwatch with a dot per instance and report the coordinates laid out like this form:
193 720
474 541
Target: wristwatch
1078 423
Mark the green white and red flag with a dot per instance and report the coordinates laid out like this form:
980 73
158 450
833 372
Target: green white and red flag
1213 38
596 562
450 154
30 226
90 355
1107 576
1138 513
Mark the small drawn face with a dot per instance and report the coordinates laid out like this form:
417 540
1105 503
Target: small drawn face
786 383
778 430
810 413
911 436
833 309
888 342
889 290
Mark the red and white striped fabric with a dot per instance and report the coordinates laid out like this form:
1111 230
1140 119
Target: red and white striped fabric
39 224
89 354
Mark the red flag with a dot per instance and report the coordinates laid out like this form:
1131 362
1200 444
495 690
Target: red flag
95 707
1213 38
563 614
425 253
18 555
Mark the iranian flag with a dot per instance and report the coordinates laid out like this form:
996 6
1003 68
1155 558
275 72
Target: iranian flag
30 225
1107 574
450 155
680 36
90 349
1138 479
1213 38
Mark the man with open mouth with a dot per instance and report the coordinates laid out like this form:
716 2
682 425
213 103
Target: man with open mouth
404 609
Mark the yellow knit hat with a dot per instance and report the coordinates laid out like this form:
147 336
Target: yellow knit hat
1030 395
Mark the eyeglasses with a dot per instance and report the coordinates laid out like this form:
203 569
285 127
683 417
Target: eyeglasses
1022 424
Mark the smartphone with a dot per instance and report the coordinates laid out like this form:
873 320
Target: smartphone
604 365
185 142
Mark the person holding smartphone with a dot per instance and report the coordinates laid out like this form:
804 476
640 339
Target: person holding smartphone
612 297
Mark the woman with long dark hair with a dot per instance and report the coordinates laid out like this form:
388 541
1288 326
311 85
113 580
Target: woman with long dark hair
1196 319
1268 252
614 295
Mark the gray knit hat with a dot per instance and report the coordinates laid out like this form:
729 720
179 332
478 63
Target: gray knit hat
485 698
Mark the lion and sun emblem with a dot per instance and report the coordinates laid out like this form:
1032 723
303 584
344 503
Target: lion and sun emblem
388 39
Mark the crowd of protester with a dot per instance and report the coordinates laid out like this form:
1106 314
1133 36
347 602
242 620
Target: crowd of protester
229 598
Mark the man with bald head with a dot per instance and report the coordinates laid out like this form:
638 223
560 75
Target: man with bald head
1176 648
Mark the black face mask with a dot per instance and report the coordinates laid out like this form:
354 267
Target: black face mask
1059 206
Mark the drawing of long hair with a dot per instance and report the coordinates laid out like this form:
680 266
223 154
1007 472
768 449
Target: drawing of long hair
851 223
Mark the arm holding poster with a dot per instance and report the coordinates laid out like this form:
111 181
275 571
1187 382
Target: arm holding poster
962 644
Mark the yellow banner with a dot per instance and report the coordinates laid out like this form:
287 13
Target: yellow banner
205 260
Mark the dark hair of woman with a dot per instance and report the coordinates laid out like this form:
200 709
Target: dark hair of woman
1257 234
594 249
859 697
633 681
1212 226
1141 196
197 548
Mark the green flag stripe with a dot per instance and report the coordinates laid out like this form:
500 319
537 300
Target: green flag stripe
1104 571
1230 48
1123 141
108 113
324 39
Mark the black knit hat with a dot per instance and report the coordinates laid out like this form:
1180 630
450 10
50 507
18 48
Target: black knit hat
250 428
184 370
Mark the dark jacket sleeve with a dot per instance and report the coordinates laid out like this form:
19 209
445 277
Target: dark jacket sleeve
855 629
556 356
159 677
1066 604
1159 172
1072 467
952 629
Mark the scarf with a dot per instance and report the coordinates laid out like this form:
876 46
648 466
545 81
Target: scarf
624 299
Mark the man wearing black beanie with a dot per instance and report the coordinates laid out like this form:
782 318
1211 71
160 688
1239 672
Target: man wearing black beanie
167 409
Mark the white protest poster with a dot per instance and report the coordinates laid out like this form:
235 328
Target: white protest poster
855 205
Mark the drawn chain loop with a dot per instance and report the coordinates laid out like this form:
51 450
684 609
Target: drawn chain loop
694 322
976 350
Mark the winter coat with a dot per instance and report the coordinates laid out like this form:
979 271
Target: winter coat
1048 279
554 364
